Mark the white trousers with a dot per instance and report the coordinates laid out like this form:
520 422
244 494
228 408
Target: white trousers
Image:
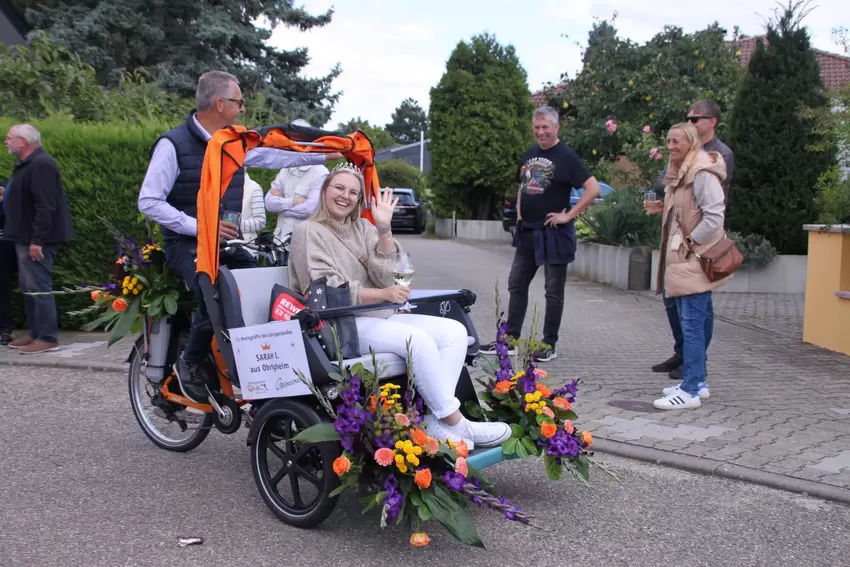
438 348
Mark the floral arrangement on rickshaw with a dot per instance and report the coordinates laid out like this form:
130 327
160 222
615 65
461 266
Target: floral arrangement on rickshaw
140 283
410 475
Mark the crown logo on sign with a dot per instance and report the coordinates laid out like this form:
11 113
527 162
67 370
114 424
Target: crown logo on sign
265 347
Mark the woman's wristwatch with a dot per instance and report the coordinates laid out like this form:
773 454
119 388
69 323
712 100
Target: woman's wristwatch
383 229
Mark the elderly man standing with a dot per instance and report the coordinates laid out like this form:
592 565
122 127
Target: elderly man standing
169 196
38 222
545 232
705 116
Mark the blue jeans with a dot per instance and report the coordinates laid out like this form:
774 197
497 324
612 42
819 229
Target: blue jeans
38 276
675 326
180 256
696 321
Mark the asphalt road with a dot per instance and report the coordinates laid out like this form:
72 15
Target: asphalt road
81 485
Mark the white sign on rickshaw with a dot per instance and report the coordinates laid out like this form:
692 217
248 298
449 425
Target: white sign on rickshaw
268 358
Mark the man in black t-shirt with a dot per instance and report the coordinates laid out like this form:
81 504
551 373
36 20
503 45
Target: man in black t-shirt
545 232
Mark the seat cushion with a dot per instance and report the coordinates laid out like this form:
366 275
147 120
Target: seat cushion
389 365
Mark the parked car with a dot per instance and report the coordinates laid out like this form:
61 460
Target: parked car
509 212
409 213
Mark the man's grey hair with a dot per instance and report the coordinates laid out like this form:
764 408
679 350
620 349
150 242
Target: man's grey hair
27 132
547 112
212 85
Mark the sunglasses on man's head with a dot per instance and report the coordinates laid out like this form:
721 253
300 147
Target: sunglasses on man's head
695 119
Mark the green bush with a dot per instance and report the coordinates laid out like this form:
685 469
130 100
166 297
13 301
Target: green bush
400 174
620 221
756 249
102 167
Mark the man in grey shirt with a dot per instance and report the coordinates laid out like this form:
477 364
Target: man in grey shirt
705 116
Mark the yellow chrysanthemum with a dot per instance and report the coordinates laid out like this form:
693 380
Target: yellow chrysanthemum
413 460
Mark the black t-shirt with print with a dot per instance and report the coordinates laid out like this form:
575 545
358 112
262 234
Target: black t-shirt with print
547 178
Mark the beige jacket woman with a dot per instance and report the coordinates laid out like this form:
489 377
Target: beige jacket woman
693 197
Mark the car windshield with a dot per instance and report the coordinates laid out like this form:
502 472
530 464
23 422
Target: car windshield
403 198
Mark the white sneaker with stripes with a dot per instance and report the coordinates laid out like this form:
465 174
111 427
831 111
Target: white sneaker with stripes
704 393
677 399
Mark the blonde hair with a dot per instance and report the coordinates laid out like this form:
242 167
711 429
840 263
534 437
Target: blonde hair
321 212
679 171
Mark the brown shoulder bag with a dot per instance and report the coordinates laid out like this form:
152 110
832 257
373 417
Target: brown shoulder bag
718 262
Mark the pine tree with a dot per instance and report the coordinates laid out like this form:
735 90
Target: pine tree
408 121
774 186
480 125
178 40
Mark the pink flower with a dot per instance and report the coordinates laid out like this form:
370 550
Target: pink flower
461 466
569 427
611 126
402 420
431 446
659 155
653 152
384 457
547 411
540 373
646 129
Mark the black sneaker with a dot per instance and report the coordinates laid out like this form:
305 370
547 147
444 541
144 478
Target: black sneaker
5 339
669 365
192 380
544 355
676 374
491 349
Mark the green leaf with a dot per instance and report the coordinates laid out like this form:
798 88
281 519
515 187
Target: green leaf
521 451
582 465
349 480
372 500
451 515
424 512
474 409
517 431
335 376
415 497
320 433
486 397
170 303
530 445
125 322
509 447
553 470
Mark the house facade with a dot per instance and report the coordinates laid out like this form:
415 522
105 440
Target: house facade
13 27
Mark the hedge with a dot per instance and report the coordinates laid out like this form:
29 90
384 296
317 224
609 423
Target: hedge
102 167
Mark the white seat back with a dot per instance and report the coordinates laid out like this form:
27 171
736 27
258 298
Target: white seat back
255 291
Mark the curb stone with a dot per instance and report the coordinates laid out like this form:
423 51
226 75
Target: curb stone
711 467
67 364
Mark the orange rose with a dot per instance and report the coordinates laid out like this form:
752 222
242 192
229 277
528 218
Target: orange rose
461 449
461 466
120 304
502 387
419 539
548 430
547 393
562 404
423 478
371 407
431 446
419 437
342 465
95 295
587 438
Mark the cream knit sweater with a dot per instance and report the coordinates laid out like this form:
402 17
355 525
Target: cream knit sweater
318 249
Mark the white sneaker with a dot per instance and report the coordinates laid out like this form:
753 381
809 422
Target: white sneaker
703 391
677 399
483 434
440 431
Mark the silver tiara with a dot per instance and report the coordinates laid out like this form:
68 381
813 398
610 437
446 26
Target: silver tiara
346 166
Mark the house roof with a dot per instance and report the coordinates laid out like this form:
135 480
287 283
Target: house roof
834 68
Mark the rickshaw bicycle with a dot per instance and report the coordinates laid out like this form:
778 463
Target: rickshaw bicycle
236 299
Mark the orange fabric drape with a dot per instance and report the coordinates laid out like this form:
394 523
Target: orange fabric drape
226 153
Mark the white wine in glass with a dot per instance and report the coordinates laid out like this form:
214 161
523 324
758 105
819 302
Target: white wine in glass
403 275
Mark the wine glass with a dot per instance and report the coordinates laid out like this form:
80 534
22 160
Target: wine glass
403 275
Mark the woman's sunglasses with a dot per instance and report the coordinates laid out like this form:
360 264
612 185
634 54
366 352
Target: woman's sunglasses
695 119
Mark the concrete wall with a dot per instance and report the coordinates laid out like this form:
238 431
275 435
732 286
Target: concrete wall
785 274
443 228
625 268
482 230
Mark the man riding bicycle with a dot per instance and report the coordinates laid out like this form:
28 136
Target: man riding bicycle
169 196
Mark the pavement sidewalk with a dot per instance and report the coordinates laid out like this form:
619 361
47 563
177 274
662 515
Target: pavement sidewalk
779 412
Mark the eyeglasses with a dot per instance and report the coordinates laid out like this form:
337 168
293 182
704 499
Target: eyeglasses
239 101
353 193
695 119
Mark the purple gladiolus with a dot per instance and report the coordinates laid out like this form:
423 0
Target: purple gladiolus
454 480
393 498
